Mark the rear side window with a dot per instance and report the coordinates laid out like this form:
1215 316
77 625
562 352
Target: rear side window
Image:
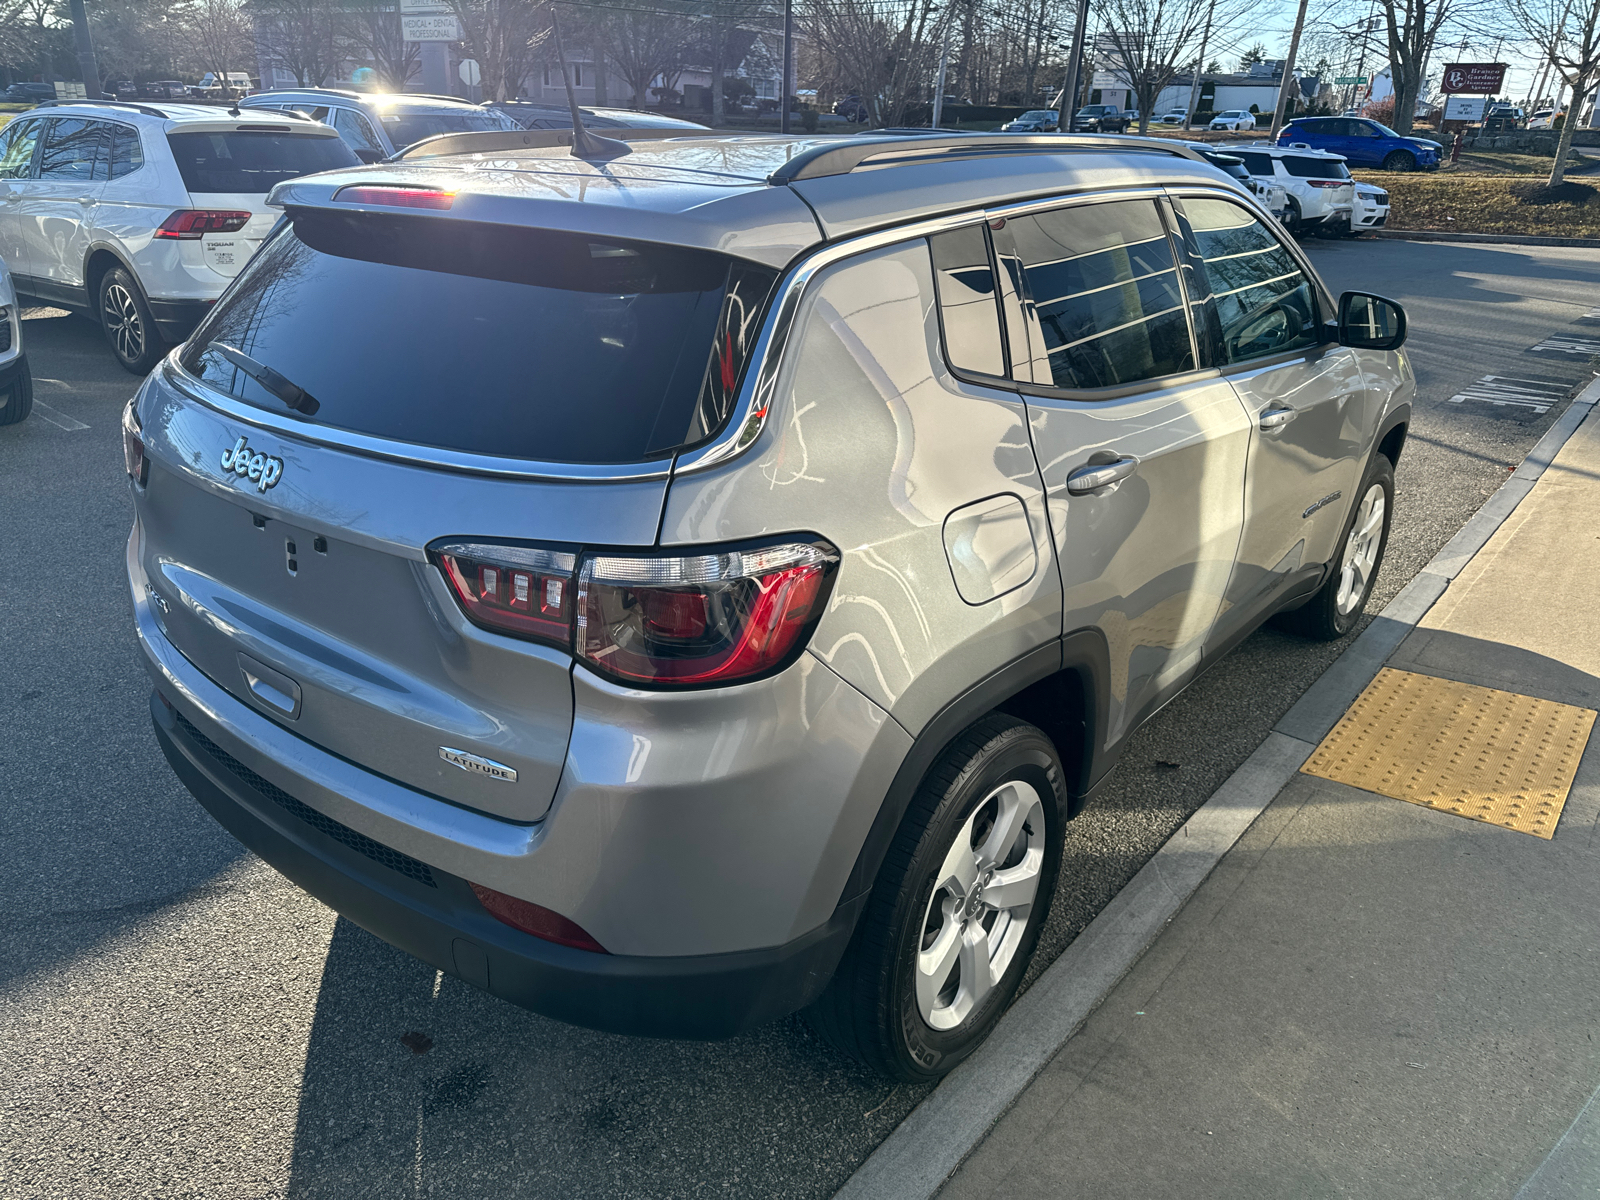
126 154
1105 285
511 342
1305 167
1254 300
251 161
1257 164
71 146
404 127
968 304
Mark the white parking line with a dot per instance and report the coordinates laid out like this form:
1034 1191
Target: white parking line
1559 343
1502 390
57 418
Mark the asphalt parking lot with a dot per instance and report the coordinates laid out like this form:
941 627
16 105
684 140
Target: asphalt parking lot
178 1021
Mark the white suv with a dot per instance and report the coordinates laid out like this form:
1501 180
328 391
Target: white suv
1321 192
140 214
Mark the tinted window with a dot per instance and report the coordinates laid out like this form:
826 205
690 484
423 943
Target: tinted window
1103 280
514 342
355 129
1314 168
1257 164
20 140
1253 297
127 155
71 146
967 301
252 161
405 128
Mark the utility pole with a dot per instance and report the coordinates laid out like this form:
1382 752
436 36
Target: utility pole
938 88
1199 66
1288 70
1073 81
788 65
85 47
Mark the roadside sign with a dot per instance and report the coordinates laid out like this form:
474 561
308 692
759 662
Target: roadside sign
1348 80
430 27
415 7
469 72
1465 108
1483 79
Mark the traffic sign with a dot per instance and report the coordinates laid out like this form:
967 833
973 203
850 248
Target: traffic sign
468 70
1347 80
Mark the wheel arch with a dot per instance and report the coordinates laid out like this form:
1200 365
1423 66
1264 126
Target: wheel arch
101 259
1391 438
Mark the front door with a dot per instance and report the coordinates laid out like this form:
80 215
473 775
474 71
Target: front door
18 145
1304 399
1142 455
58 212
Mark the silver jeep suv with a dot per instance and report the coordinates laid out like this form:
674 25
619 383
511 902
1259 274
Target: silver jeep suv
673 590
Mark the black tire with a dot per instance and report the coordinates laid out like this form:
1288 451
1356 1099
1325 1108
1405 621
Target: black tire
1296 224
1323 617
129 326
871 1009
1399 160
18 398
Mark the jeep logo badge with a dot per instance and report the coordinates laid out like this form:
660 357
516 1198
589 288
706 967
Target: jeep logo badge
264 472
476 765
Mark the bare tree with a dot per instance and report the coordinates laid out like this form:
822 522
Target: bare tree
1412 27
301 36
646 43
1567 33
502 35
374 30
883 50
215 35
1150 41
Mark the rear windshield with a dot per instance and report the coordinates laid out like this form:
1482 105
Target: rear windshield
405 128
1315 168
512 342
245 160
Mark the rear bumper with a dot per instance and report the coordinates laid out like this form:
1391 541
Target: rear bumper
434 916
176 319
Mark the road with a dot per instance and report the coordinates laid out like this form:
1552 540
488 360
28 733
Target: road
178 1021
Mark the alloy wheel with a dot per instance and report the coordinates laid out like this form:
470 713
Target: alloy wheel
978 912
121 317
1361 552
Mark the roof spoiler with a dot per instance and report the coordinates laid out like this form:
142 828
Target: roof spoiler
496 141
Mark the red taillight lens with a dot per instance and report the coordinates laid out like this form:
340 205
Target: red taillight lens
525 590
190 223
1327 183
703 619
531 918
397 197
133 447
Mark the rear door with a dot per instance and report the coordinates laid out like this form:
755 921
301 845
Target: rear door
1142 452
58 211
1308 409
19 145
287 550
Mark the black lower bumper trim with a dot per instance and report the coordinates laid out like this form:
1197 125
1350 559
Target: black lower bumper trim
442 923
176 319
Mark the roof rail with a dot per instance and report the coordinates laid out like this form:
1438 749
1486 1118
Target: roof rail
144 108
489 141
844 156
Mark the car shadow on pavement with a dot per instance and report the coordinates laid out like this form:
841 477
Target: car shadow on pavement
418 1084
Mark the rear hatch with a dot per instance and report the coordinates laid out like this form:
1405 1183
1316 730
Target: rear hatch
228 169
448 374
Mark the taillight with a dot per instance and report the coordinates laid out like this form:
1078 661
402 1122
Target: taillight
700 619
394 196
133 446
660 620
189 223
1327 183
524 590
535 919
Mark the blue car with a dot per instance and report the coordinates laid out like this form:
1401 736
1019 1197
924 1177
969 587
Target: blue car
1363 143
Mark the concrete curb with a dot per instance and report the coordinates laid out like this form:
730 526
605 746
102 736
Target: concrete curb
1501 239
927 1147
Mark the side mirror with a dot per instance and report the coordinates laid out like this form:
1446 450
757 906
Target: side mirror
368 155
1369 322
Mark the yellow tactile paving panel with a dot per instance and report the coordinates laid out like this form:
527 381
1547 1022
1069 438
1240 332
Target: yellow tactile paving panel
1479 753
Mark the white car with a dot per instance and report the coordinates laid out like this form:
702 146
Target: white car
1321 192
1234 119
1370 210
1176 117
1543 118
140 214
16 381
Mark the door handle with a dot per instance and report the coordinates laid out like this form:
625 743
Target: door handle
1276 418
1098 475
86 200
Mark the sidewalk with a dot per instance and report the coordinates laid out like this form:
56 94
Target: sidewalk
1367 997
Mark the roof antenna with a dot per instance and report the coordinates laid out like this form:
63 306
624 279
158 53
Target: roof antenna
584 143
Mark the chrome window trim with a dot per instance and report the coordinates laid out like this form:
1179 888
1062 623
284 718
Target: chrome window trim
173 374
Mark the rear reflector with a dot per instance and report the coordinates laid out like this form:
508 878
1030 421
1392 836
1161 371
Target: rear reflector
395 197
189 223
534 919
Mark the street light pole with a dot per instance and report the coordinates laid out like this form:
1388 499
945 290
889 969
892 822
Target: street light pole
85 47
1199 67
788 65
938 90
